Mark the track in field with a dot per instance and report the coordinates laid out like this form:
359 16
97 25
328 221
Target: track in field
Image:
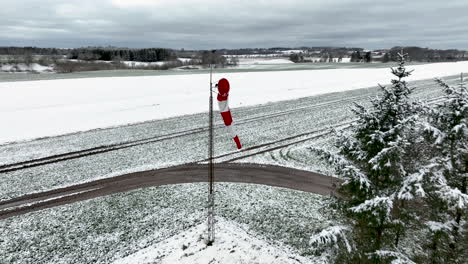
288 141
128 144
192 173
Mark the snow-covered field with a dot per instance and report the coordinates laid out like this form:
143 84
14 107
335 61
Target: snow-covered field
256 125
255 61
21 67
146 64
115 227
48 108
142 64
126 226
233 245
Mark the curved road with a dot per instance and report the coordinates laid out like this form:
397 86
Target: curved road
224 172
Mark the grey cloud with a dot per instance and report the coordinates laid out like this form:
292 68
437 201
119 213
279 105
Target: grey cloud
216 24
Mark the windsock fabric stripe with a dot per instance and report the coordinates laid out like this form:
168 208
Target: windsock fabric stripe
223 93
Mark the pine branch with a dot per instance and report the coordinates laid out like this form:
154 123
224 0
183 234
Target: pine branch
378 206
395 256
331 236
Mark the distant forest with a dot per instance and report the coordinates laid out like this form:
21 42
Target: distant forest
20 51
426 54
97 53
163 54
112 54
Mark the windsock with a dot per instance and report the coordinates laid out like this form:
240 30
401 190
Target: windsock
223 93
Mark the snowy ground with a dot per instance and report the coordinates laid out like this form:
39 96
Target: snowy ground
66 106
146 64
115 227
9 77
21 67
233 245
111 228
256 61
143 64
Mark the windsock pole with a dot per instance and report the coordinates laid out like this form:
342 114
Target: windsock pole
211 203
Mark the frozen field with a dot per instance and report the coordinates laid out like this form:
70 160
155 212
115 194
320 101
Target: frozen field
249 67
271 124
49 108
125 226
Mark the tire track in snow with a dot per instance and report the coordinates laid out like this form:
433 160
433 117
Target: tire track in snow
133 143
189 173
311 135
128 144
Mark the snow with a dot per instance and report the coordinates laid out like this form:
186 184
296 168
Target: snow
21 205
143 64
255 61
232 245
185 59
383 203
292 51
437 226
48 108
322 59
346 60
6 67
108 228
21 67
272 55
396 257
331 236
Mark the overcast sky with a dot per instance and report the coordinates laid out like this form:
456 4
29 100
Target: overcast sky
206 24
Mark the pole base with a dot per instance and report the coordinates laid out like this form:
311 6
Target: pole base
208 242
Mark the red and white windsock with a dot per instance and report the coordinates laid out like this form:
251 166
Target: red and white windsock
223 93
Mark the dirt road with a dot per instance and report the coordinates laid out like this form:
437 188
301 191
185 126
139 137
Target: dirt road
225 172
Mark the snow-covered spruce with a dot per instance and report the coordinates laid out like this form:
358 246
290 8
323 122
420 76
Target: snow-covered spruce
397 257
374 159
331 236
442 182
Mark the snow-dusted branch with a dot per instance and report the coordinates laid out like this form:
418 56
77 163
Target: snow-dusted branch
331 236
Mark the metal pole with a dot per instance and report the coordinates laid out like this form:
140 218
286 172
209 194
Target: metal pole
211 220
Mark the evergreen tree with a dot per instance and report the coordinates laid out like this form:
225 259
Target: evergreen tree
368 57
358 56
354 57
442 183
374 159
386 58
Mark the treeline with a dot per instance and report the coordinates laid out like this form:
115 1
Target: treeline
98 58
414 54
335 51
96 53
117 54
426 54
359 56
21 51
216 58
163 54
